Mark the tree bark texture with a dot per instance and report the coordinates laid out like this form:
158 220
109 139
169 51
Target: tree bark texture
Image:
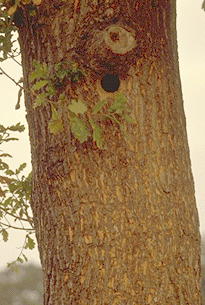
116 225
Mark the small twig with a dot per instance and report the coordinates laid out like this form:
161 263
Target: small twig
13 80
13 227
21 87
16 61
29 219
15 216
7 219
23 247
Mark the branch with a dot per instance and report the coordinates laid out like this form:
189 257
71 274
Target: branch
16 61
13 80
29 219
17 217
17 228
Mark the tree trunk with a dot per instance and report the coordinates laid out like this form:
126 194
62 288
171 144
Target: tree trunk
117 224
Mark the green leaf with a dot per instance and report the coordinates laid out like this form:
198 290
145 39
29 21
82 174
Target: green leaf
61 96
41 71
50 90
2 128
118 104
79 129
97 133
7 202
3 165
44 67
36 64
18 127
9 172
97 136
129 119
13 266
30 244
21 167
55 126
62 73
127 136
55 115
4 235
92 122
12 187
40 100
40 84
25 258
20 260
10 139
34 75
99 105
77 107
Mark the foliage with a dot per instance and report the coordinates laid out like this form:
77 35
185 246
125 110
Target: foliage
7 29
115 112
84 121
14 196
51 79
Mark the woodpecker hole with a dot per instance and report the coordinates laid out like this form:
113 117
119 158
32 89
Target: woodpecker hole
110 82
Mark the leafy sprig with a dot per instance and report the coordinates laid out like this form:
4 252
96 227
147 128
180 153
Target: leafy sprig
80 127
49 79
84 121
15 191
7 30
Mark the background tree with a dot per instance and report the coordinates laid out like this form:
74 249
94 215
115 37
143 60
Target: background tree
112 195
24 287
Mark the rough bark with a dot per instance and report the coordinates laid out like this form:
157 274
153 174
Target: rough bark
116 225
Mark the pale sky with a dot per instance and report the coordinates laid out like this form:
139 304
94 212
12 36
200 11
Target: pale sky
191 44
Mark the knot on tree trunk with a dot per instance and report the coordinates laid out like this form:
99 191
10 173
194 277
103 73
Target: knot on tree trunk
112 49
118 39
